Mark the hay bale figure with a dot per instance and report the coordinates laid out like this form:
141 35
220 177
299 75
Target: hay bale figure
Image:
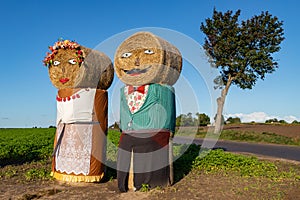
81 76
149 66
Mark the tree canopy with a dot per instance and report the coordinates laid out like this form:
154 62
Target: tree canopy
188 120
243 51
233 120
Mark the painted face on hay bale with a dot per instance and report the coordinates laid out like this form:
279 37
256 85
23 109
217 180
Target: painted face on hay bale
64 69
145 58
73 66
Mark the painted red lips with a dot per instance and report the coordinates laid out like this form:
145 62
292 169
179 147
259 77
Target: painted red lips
64 80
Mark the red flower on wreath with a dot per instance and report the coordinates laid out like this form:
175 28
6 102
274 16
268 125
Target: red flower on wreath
63 44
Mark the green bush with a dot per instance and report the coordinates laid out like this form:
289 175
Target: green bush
218 160
233 120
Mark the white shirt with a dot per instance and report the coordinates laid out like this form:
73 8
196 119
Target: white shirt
78 109
135 100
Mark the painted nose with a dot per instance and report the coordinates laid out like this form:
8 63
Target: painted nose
137 62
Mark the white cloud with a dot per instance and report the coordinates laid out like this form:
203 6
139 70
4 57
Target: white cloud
290 118
260 117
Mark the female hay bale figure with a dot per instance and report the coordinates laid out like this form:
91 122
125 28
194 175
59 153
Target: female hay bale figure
81 76
149 66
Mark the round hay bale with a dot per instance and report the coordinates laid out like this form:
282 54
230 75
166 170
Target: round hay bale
97 70
145 58
73 66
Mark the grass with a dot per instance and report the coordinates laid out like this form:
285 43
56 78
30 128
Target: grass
245 136
247 166
184 157
145 188
37 173
255 137
29 171
33 148
216 161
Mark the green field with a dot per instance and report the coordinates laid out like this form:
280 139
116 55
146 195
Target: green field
22 145
18 146
35 145
25 161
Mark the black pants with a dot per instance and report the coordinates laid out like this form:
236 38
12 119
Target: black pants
150 159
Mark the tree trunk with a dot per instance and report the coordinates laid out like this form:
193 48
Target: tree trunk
220 103
218 121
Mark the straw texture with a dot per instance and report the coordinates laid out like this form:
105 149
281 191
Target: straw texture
145 58
96 71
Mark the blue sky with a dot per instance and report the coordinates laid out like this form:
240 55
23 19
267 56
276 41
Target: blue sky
29 27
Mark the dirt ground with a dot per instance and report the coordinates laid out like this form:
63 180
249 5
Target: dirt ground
289 130
195 185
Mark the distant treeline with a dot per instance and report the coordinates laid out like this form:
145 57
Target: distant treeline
202 119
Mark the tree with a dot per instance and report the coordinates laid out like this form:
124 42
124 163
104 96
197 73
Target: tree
282 121
203 119
188 120
234 120
241 51
185 120
116 125
178 120
222 119
274 120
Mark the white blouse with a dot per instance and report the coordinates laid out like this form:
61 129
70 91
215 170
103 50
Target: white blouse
78 109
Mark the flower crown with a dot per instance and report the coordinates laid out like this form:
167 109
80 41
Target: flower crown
63 44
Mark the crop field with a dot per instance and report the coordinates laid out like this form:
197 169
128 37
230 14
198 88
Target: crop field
25 163
18 146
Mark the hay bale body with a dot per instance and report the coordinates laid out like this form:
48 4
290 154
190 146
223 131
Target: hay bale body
145 58
96 71
78 159
82 76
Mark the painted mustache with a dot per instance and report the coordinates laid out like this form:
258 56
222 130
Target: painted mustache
136 71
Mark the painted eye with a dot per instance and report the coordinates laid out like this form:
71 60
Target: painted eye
148 51
55 63
126 55
72 61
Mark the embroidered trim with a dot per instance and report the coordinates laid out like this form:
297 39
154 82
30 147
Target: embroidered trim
77 178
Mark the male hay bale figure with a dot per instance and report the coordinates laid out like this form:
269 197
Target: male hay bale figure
81 76
149 66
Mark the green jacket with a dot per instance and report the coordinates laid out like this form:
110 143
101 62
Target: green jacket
157 112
